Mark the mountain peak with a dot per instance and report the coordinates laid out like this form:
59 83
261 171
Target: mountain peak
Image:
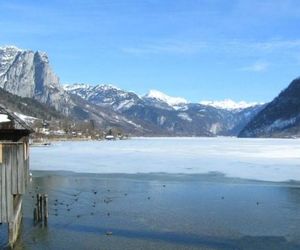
107 87
230 104
43 56
172 101
10 48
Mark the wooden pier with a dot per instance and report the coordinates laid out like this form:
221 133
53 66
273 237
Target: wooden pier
14 170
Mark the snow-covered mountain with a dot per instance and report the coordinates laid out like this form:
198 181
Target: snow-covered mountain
7 55
26 73
230 104
161 100
280 118
164 114
105 95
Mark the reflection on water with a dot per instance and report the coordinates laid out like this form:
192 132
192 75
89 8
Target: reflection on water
162 212
3 235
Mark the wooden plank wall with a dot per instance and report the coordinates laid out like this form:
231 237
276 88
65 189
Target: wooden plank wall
6 180
1 166
14 170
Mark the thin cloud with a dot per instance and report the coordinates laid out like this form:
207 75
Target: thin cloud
233 47
166 48
240 47
256 67
276 45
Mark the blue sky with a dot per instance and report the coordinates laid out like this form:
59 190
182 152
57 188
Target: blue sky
197 49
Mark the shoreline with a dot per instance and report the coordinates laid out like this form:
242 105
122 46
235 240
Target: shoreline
171 137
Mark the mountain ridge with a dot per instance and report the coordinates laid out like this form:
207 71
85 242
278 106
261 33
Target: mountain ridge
173 115
280 118
227 104
28 74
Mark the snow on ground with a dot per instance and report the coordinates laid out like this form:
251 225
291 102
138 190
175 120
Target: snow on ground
185 116
26 118
260 159
127 104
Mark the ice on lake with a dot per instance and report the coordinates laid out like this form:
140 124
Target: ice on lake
258 159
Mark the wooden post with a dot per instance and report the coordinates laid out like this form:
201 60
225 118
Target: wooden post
37 206
35 215
46 214
41 208
41 212
15 223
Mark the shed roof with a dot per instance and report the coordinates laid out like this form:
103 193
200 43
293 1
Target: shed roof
9 121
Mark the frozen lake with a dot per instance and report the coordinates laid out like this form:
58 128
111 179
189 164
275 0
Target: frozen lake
258 159
155 193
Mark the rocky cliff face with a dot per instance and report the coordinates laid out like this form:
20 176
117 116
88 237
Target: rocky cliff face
280 118
28 74
17 71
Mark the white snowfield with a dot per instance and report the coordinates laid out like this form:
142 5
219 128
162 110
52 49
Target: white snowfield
230 104
258 159
172 101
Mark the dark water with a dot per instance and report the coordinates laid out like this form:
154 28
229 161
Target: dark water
162 212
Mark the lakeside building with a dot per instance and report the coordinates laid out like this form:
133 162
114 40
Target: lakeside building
14 169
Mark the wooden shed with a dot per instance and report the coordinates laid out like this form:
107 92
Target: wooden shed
14 169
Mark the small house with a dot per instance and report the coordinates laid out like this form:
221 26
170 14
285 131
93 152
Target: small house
14 169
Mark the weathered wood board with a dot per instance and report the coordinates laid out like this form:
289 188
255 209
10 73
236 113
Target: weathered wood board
13 177
1 153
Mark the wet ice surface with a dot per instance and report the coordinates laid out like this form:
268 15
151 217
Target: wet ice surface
258 159
162 211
